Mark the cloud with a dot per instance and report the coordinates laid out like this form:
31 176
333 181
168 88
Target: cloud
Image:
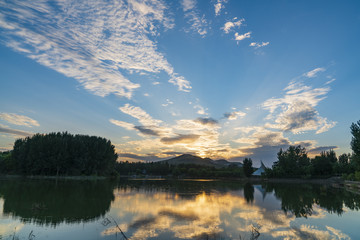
243 36
147 131
181 138
139 157
198 24
262 144
138 113
15 132
318 150
313 73
232 24
93 48
296 112
258 45
128 126
188 4
234 115
181 82
201 110
330 81
206 121
168 102
19 120
155 83
218 6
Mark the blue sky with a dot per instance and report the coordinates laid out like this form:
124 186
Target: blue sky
220 79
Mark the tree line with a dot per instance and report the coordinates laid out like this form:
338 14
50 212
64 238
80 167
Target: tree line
181 170
294 162
69 155
59 154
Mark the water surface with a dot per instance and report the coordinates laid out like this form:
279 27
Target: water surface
160 209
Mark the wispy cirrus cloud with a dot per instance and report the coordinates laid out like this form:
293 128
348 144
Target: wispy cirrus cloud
19 120
218 6
138 113
15 131
126 125
198 23
313 72
91 42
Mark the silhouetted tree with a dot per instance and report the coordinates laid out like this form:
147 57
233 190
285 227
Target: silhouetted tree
63 154
292 162
355 144
247 167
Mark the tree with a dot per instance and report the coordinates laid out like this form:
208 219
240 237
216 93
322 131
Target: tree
355 141
324 164
292 162
247 167
63 154
355 144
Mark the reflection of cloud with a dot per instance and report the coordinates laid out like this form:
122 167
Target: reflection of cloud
20 120
145 214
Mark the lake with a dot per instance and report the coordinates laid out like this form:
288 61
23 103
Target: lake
181 209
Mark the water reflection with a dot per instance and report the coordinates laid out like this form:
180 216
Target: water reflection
51 203
179 209
218 210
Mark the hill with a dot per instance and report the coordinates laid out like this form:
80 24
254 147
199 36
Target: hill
190 159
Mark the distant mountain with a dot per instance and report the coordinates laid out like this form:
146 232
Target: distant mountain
190 159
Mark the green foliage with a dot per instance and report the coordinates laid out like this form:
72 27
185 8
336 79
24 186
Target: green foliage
247 167
6 162
63 154
324 164
357 176
355 141
293 162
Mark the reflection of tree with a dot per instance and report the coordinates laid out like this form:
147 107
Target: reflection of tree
50 202
249 192
300 198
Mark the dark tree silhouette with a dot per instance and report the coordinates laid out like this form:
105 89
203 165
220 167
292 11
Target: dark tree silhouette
247 167
63 154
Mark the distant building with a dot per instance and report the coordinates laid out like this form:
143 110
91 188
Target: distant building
260 170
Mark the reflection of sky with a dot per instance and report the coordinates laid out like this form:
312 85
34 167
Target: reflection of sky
156 214
162 215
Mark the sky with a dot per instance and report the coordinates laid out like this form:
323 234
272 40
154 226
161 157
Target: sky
222 79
